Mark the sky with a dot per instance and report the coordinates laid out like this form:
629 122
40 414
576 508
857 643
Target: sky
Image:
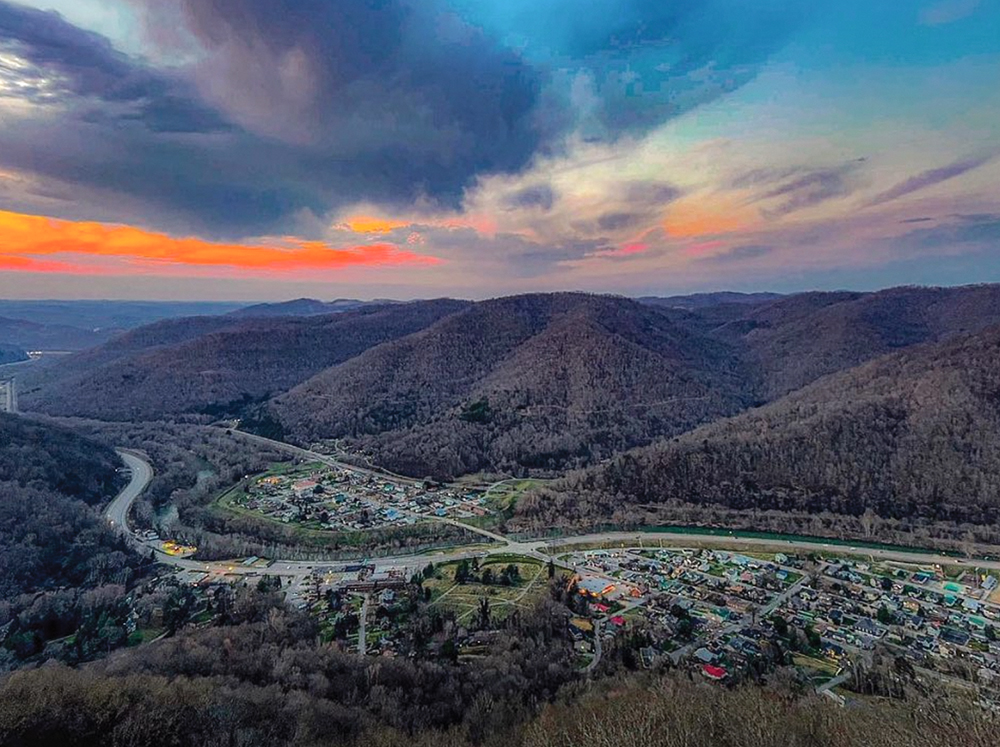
270 149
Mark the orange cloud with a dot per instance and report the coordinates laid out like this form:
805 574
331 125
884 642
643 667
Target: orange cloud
23 238
693 219
368 224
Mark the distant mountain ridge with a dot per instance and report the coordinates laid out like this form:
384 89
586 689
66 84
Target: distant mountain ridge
209 363
540 382
78 325
306 307
703 300
34 336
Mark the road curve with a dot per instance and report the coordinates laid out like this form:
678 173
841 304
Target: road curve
117 511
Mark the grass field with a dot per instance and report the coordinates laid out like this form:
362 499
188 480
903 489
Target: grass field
503 496
464 599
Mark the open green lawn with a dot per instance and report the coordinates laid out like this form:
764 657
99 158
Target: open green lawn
824 669
504 496
463 599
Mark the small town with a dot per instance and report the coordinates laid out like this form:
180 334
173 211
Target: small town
340 499
719 614
712 609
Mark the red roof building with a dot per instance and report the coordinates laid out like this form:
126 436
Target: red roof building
713 672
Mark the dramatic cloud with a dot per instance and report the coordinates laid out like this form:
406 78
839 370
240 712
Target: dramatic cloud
44 59
28 237
928 179
280 108
603 144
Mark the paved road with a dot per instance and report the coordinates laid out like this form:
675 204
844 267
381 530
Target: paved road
672 539
141 473
543 549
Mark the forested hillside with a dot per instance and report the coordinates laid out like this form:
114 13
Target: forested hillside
536 383
914 435
265 685
37 336
304 307
540 381
213 364
60 565
11 354
793 341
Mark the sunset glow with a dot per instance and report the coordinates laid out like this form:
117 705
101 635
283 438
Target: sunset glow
645 148
25 238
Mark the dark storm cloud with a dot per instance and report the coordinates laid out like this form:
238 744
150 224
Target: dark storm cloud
354 79
69 64
540 196
304 106
928 179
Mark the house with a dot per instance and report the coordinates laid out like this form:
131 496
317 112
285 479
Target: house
713 672
704 655
595 587
647 656
868 627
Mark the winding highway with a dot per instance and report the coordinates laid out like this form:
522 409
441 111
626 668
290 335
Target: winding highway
117 514
141 473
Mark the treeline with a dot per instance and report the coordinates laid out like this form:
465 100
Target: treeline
268 681
256 685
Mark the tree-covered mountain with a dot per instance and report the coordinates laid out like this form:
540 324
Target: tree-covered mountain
528 381
536 382
50 535
795 340
213 364
305 307
914 435
37 336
